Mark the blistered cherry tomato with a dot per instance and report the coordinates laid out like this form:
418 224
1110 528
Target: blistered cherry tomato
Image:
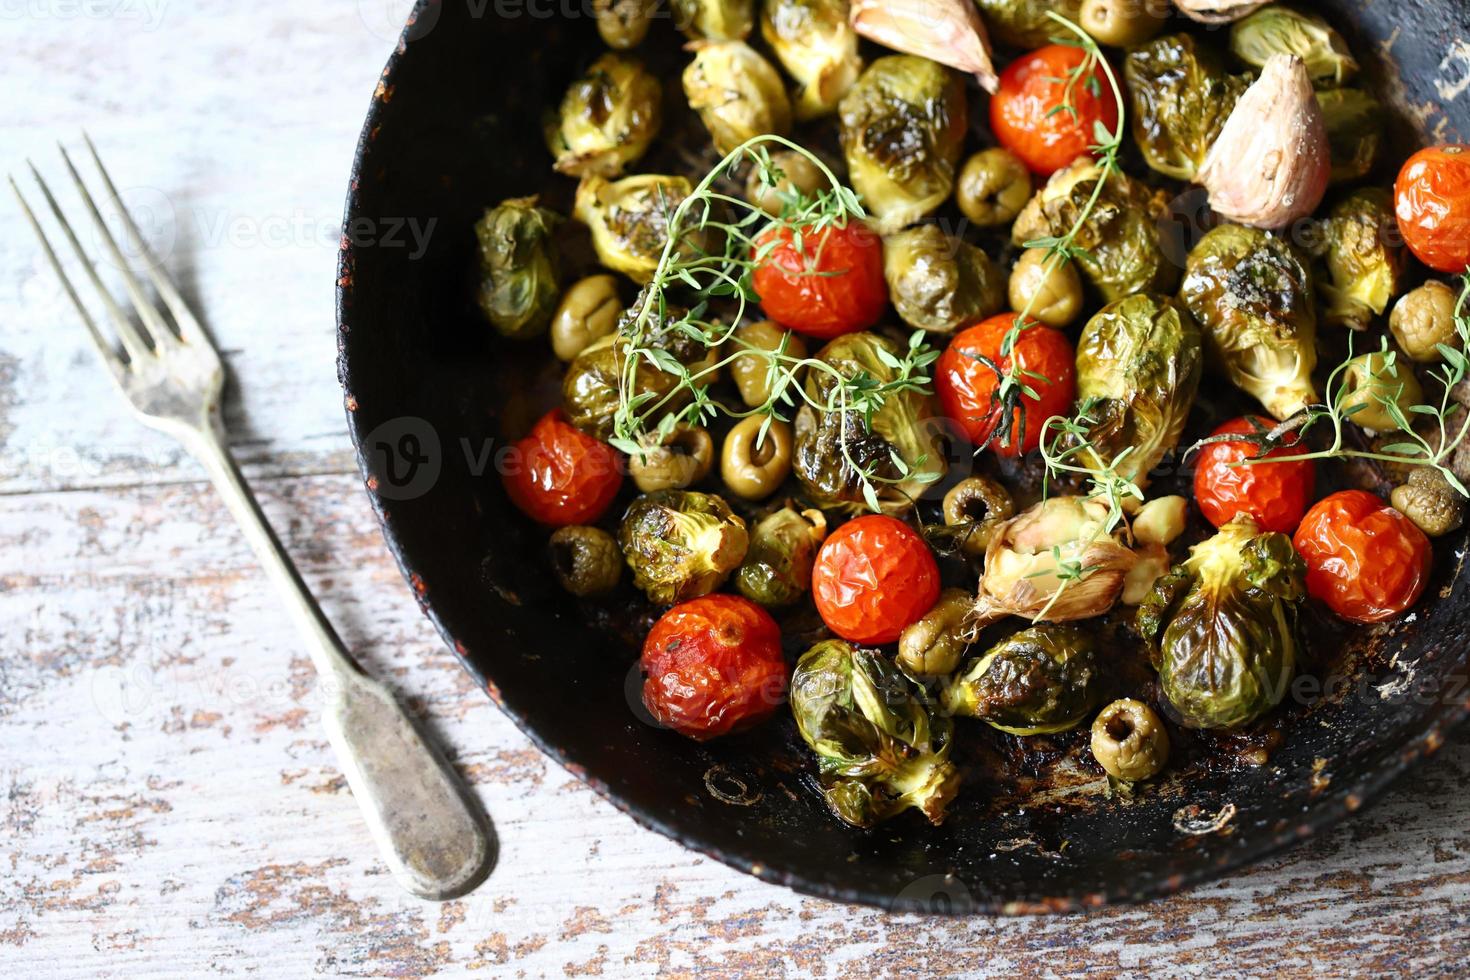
1275 494
1432 203
559 475
965 384
712 666
1365 560
831 286
1026 114
874 576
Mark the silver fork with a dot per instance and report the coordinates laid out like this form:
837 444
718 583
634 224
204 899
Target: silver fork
434 839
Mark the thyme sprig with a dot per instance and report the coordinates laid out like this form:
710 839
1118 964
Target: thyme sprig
687 269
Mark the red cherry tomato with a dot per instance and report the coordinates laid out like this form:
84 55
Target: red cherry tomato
1365 560
1275 494
874 576
850 293
966 385
1025 114
712 666
1432 203
559 475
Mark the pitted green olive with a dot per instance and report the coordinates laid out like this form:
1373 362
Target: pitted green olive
753 468
993 187
586 560
752 371
1129 740
1048 288
589 311
681 460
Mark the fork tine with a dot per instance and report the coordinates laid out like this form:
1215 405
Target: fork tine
104 349
147 313
183 316
132 341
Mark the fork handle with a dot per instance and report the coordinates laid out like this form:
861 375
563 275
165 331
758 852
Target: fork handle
434 839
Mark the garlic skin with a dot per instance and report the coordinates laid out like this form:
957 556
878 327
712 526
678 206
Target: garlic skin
1218 11
1271 162
947 31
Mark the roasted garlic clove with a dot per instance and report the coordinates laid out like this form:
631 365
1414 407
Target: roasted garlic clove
947 31
1217 11
1270 164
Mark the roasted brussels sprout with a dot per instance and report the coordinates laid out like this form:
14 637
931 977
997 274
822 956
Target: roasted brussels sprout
681 544
715 20
1423 319
585 560
777 570
1129 740
737 93
934 645
589 310
1024 23
682 459
607 118
817 47
938 282
519 280
756 458
994 185
1377 391
903 125
623 23
1252 298
1138 364
1276 29
629 219
880 746
974 509
800 179
752 372
1181 95
1029 556
589 390
1040 680
1364 262
1119 240
1354 121
1428 500
1046 286
1224 623
829 443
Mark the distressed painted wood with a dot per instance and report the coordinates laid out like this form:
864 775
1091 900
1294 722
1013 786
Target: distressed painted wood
168 803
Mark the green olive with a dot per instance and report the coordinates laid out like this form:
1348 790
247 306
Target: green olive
1423 319
589 311
1129 740
981 505
799 176
683 459
934 644
1122 23
751 372
623 23
752 471
993 187
1047 288
1376 384
586 560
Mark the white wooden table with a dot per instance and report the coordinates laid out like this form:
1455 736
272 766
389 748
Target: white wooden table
168 802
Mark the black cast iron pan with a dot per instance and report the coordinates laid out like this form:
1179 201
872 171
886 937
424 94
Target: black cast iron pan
455 126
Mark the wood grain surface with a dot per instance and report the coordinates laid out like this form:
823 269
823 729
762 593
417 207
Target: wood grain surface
168 802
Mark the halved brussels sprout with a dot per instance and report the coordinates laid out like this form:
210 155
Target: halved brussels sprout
715 20
1281 30
1040 680
903 125
828 444
817 47
1252 297
607 118
519 281
1354 121
939 282
681 544
1363 260
1024 23
629 219
1225 625
880 746
737 93
1139 361
1121 253
1180 95
590 389
778 567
